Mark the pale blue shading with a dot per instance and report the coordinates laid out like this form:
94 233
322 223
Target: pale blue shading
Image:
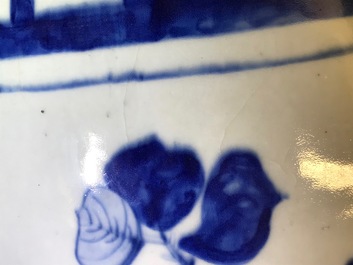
108 232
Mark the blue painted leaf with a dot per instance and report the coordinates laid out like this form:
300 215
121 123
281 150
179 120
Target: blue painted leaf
161 185
236 211
109 233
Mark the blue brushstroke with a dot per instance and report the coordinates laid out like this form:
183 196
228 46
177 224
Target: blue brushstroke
175 253
350 262
21 12
134 76
138 21
108 231
149 184
161 185
236 211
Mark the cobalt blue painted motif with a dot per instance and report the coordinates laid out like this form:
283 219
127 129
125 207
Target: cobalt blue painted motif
129 22
136 21
236 211
108 230
22 11
161 185
149 184
138 76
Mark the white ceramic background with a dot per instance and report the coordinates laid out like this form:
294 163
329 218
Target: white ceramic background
298 118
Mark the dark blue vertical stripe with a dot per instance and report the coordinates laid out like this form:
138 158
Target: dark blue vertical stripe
22 11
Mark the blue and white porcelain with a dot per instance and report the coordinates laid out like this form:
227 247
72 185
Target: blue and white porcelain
193 132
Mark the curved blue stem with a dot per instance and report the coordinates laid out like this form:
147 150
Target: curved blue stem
175 253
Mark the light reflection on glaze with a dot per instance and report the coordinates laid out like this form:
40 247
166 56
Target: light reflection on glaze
320 163
325 173
327 170
347 213
92 163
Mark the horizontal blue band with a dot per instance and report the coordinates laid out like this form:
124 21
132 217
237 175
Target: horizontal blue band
107 25
134 76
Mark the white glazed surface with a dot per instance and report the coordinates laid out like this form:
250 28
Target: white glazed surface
298 118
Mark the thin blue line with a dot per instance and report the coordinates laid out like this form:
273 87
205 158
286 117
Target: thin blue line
134 76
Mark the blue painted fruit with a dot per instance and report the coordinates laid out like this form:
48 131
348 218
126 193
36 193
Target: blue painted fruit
161 185
236 211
